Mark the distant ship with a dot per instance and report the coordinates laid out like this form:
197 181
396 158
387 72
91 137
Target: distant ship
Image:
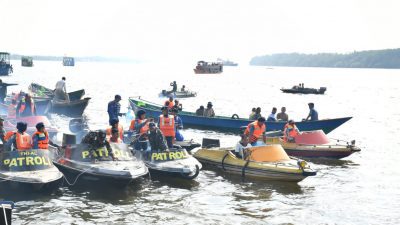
26 61
208 67
227 62
68 61
5 66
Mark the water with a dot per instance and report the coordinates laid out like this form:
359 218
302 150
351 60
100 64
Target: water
361 189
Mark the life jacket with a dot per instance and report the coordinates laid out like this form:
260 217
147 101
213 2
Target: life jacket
142 130
111 141
24 141
290 130
167 125
120 131
42 139
170 104
11 111
258 131
9 134
23 105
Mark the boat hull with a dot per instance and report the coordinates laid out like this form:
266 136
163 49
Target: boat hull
5 70
71 109
304 91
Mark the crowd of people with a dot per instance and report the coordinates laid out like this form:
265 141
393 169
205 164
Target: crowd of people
282 116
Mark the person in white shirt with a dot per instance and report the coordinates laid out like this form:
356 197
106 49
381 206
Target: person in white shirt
241 146
61 91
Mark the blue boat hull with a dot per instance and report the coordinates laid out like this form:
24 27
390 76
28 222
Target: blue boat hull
229 124
5 70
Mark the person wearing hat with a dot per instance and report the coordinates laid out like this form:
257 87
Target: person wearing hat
40 138
290 131
167 126
114 108
313 115
255 131
156 138
26 107
178 124
115 125
140 126
60 93
2 131
19 139
209 111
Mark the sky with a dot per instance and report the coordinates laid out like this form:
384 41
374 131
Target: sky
166 30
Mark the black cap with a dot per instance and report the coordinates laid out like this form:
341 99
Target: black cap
117 97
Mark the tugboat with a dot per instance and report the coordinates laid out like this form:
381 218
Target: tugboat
302 90
26 61
5 66
208 68
68 61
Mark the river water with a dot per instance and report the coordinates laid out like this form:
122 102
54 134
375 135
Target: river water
361 189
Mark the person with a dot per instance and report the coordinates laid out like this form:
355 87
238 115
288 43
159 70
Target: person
177 105
256 130
200 111
11 109
114 108
209 112
3 91
290 131
60 93
96 140
271 117
19 140
282 116
26 107
156 138
2 131
313 115
174 86
257 114
253 112
167 126
115 124
178 125
183 88
169 103
241 146
115 137
140 126
40 139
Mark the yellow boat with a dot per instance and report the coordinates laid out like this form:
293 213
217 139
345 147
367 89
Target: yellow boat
267 162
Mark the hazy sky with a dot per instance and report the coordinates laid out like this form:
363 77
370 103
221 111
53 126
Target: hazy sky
207 29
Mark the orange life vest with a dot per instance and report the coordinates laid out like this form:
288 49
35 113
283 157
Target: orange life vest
23 105
24 141
9 134
143 130
170 104
120 131
258 131
167 125
42 139
292 131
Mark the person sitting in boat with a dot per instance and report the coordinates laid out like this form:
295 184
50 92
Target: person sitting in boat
255 131
257 114
19 140
209 112
114 138
60 93
183 88
96 140
169 103
115 124
313 115
26 107
253 112
156 138
200 111
290 131
178 125
282 116
271 117
167 126
242 146
177 105
140 126
40 138
2 131
174 86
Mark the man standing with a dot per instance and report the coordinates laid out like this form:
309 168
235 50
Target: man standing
60 93
26 107
282 116
167 126
113 109
313 115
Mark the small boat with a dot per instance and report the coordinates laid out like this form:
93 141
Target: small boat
6 208
29 170
263 162
26 61
175 162
207 67
72 109
38 90
5 66
313 144
178 94
68 61
302 90
76 163
11 123
229 123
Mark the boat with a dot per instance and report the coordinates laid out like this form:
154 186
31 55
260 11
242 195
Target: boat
5 66
313 144
11 123
26 61
231 124
68 61
71 109
262 162
227 62
6 208
178 94
208 67
302 90
41 91
29 170
176 162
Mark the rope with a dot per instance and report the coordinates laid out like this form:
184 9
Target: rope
76 178
223 159
244 169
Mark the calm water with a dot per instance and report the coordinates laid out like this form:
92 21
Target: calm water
361 189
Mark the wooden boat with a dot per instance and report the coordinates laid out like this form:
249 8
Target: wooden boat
29 170
263 162
314 144
303 90
230 124
5 66
206 67
38 90
71 109
178 94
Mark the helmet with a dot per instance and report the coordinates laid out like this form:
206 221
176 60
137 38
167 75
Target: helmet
39 125
140 113
21 126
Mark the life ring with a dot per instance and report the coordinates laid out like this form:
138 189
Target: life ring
235 116
189 176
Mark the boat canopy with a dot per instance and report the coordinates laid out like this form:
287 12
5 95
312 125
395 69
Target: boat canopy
4 57
317 137
268 153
